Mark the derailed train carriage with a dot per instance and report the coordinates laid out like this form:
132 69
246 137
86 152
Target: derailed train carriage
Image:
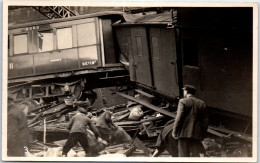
210 48
50 57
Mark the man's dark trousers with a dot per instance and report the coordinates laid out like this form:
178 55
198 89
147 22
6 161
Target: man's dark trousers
187 146
73 139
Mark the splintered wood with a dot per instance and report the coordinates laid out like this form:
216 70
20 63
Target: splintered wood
140 118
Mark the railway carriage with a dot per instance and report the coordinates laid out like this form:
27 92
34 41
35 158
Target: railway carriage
210 48
54 51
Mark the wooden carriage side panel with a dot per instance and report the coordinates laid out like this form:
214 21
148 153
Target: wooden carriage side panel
164 61
123 35
141 56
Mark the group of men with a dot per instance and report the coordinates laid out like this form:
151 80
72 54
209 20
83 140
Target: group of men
187 130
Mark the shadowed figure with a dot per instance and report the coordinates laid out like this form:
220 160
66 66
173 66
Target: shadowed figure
17 129
165 141
109 131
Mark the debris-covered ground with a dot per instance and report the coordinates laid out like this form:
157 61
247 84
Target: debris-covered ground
137 113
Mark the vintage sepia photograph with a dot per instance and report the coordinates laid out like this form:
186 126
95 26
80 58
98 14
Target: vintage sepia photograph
129 81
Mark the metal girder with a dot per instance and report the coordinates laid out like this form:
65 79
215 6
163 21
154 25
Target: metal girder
54 12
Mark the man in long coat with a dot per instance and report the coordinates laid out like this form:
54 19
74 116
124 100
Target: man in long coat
191 123
17 129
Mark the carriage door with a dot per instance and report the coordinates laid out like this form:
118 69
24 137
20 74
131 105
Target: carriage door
163 52
20 60
141 56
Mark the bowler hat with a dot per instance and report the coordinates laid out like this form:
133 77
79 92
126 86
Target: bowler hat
82 110
189 87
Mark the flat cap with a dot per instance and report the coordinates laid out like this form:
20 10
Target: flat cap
82 110
189 87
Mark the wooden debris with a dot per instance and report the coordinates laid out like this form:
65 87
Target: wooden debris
121 112
236 134
144 93
121 117
218 133
141 146
165 112
34 119
150 125
147 127
130 151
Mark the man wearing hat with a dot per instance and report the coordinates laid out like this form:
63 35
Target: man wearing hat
78 130
190 124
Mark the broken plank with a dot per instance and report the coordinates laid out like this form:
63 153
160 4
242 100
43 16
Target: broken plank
115 146
119 118
138 122
141 146
34 124
217 133
144 93
148 105
55 109
127 123
130 151
236 134
120 112
34 119
152 119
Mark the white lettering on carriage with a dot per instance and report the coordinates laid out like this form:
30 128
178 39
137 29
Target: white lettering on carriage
86 63
56 60
32 28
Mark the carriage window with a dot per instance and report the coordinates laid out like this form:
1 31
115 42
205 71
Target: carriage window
20 44
139 46
86 34
155 47
45 41
64 38
190 53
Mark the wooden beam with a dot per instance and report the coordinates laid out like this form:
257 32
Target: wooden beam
34 119
217 133
155 108
236 134
144 93
130 151
138 122
141 146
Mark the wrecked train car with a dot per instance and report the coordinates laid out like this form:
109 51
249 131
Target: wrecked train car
151 49
55 51
210 48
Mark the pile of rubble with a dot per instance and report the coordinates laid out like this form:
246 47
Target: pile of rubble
140 117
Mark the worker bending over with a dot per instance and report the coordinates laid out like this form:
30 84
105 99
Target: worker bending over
78 132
